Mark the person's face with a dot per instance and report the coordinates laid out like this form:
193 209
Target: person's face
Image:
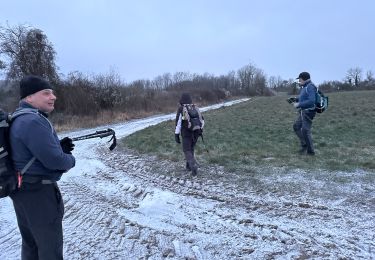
43 100
301 81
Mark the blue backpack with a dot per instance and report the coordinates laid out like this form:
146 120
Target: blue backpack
321 102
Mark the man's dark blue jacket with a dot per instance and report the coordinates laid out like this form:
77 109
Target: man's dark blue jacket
307 97
32 135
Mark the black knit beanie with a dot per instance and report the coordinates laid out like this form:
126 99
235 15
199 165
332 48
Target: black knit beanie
185 99
32 84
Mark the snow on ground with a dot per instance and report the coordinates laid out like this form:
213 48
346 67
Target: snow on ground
119 205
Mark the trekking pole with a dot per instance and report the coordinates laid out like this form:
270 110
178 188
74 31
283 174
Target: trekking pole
205 146
100 134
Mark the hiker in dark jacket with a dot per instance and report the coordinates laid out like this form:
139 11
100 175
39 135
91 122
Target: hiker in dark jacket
189 138
38 203
305 104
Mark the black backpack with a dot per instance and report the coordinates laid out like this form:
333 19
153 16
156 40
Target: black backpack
191 113
8 175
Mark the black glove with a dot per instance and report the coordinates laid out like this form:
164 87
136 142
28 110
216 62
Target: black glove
67 145
292 100
177 138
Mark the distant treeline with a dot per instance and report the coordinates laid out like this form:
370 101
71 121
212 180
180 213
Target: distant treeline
91 96
330 86
353 80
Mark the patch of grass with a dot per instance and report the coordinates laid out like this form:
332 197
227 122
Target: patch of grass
259 132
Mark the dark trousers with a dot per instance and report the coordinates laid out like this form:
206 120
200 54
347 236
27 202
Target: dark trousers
302 128
39 210
188 145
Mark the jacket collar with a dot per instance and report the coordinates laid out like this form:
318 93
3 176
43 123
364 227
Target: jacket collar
306 83
24 104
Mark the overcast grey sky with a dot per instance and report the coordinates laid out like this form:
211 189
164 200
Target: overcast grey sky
143 39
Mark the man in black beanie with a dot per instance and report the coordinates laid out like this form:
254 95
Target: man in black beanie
40 159
32 84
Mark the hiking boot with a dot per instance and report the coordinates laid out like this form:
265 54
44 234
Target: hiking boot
194 172
310 153
187 167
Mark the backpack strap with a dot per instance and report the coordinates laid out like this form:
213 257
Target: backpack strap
27 166
200 117
316 88
23 111
185 114
316 91
4 123
23 171
3 154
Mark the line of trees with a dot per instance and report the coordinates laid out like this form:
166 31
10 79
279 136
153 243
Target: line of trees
353 80
26 50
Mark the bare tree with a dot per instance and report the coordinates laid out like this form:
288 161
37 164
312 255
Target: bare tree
27 51
157 83
246 76
369 76
275 82
252 80
180 76
354 76
234 83
162 82
2 65
167 78
107 87
260 82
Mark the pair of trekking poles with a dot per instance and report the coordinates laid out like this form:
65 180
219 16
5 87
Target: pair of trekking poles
100 134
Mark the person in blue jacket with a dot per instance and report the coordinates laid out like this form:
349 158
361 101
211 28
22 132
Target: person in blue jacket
305 104
38 203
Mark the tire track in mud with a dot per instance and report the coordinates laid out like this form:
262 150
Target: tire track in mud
180 245
10 243
188 241
269 225
94 219
237 228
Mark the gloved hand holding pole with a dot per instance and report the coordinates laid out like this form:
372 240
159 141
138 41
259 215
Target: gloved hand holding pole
67 145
